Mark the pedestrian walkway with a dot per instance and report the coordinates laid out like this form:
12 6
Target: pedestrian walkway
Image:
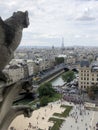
94 121
79 119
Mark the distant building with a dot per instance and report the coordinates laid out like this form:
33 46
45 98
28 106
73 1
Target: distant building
96 57
62 56
30 65
15 72
19 69
88 74
71 60
62 46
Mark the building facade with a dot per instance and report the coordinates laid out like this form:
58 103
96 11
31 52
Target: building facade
88 74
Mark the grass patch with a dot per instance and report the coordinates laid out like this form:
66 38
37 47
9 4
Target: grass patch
65 113
28 102
47 99
34 102
55 97
57 123
23 102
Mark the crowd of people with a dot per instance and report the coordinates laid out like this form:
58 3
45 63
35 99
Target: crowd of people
73 99
77 115
81 118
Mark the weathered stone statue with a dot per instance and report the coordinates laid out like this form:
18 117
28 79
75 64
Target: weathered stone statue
10 37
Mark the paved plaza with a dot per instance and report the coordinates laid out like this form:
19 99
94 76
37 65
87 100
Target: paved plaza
79 118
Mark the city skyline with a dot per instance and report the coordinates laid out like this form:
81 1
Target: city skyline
75 20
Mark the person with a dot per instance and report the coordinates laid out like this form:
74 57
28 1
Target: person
11 128
51 106
85 124
30 125
49 128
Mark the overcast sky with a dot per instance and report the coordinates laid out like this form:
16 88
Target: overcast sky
50 20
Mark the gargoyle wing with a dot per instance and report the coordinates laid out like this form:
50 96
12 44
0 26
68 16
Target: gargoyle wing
2 32
6 33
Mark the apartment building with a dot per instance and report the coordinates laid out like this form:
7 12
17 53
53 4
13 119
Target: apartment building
88 74
15 73
19 69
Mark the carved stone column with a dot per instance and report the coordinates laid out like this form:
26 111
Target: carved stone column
7 111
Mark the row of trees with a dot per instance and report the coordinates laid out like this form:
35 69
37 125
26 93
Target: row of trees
92 91
59 60
45 92
68 76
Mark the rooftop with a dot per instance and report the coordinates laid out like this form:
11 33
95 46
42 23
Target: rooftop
84 63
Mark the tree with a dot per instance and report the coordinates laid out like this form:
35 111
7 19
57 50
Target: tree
91 94
92 91
59 60
68 76
44 100
91 59
46 90
94 88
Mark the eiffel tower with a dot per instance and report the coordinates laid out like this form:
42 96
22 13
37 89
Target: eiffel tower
62 46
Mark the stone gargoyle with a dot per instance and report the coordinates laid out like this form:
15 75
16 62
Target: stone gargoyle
10 37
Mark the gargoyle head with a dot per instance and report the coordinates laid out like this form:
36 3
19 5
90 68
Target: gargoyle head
22 18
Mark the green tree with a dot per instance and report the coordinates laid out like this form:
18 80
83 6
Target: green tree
59 60
95 88
44 101
68 76
91 94
92 91
46 90
91 59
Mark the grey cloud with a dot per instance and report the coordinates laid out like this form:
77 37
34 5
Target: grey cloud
62 17
85 18
83 0
86 15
